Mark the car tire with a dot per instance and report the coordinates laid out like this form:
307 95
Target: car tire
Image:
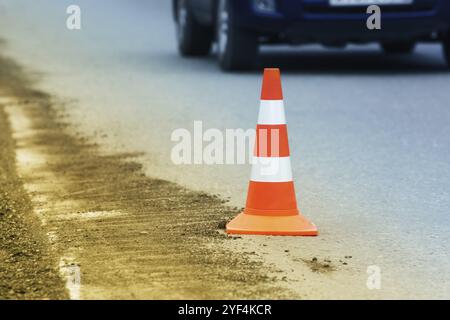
446 47
399 47
193 38
237 48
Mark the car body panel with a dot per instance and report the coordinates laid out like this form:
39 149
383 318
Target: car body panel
317 21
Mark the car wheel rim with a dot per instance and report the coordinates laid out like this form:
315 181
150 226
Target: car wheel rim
223 25
182 20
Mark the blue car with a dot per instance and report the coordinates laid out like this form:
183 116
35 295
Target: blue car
240 26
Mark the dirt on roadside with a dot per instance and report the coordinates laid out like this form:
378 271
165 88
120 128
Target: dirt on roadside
28 269
129 236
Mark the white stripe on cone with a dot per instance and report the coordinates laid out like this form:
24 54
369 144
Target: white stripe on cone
271 112
271 169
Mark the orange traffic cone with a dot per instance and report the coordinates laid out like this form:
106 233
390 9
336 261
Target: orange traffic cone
271 207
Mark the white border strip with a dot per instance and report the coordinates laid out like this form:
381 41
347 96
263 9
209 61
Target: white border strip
271 112
271 169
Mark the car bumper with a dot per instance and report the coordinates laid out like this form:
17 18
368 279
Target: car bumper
309 20
356 31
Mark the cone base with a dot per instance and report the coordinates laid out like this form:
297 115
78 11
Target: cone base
295 225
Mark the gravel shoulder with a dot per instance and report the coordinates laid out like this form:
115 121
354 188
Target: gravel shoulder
113 232
28 267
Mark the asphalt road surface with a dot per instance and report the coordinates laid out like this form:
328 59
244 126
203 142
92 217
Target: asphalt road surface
369 134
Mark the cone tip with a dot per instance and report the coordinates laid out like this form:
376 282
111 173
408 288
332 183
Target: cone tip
271 88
